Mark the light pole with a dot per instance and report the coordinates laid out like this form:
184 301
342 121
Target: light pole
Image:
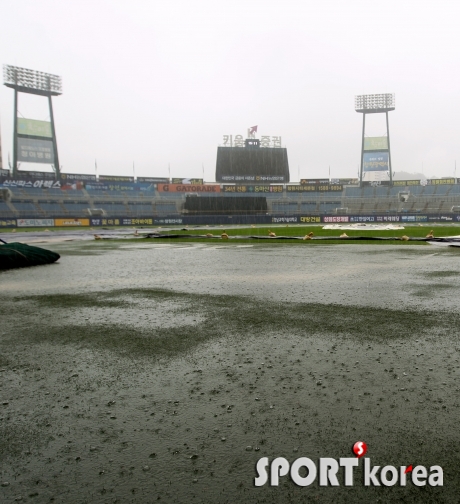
375 104
33 141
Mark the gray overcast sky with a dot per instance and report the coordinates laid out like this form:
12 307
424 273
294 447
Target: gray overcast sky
156 82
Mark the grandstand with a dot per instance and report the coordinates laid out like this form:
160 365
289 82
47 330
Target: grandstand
133 203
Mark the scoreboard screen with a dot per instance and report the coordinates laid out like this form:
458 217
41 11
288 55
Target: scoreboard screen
263 165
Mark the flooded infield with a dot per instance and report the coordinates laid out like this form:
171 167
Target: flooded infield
145 372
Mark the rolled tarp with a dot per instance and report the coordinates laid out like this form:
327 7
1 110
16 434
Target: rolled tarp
19 255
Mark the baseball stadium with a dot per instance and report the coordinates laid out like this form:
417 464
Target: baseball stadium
184 361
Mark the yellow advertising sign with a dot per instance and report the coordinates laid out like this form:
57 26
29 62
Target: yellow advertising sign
71 222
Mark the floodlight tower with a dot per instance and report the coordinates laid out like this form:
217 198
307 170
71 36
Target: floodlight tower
375 104
36 141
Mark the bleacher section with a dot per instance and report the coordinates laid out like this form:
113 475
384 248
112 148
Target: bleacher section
399 200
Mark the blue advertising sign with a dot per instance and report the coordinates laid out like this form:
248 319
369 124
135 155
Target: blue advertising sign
375 161
118 186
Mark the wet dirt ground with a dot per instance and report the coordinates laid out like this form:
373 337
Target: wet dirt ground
145 372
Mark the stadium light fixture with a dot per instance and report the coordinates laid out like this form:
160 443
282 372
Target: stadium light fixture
375 103
32 81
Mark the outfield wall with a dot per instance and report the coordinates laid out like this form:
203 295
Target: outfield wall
227 220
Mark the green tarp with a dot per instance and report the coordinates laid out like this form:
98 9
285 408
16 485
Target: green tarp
18 255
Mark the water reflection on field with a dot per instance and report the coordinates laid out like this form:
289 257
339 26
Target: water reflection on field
384 276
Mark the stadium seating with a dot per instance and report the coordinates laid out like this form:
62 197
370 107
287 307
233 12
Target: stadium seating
36 202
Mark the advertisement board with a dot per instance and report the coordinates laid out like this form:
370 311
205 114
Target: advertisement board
314 188
252 189
188 188
31 150
253 178
32 127
446 181
375 143
285 220
120 186
45 184
375 161
314 181
37 175
375 183
195 181
115 178
335 218
414 218
71 222
310 219
81 177
35 222
8 223
121 221
404 183
153 180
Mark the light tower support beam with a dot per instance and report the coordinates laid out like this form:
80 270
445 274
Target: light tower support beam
53 132
389 151
362 150
15 138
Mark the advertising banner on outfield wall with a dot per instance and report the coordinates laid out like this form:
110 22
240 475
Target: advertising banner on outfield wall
121 221
35 175
31 150
375 143
120 186
285 220
332 181
153 180
314 181
47 184
314 188
32 127
252 189
387 218
115 178
414 218
405 183
4 173
195 181
310 219
253 178
188 188
375 183
362 218
169 220
335 219
79 177
446 181
71 222
375 161
8 223
35 222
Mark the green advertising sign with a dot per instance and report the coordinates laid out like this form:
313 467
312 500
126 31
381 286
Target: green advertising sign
375 143
32 127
